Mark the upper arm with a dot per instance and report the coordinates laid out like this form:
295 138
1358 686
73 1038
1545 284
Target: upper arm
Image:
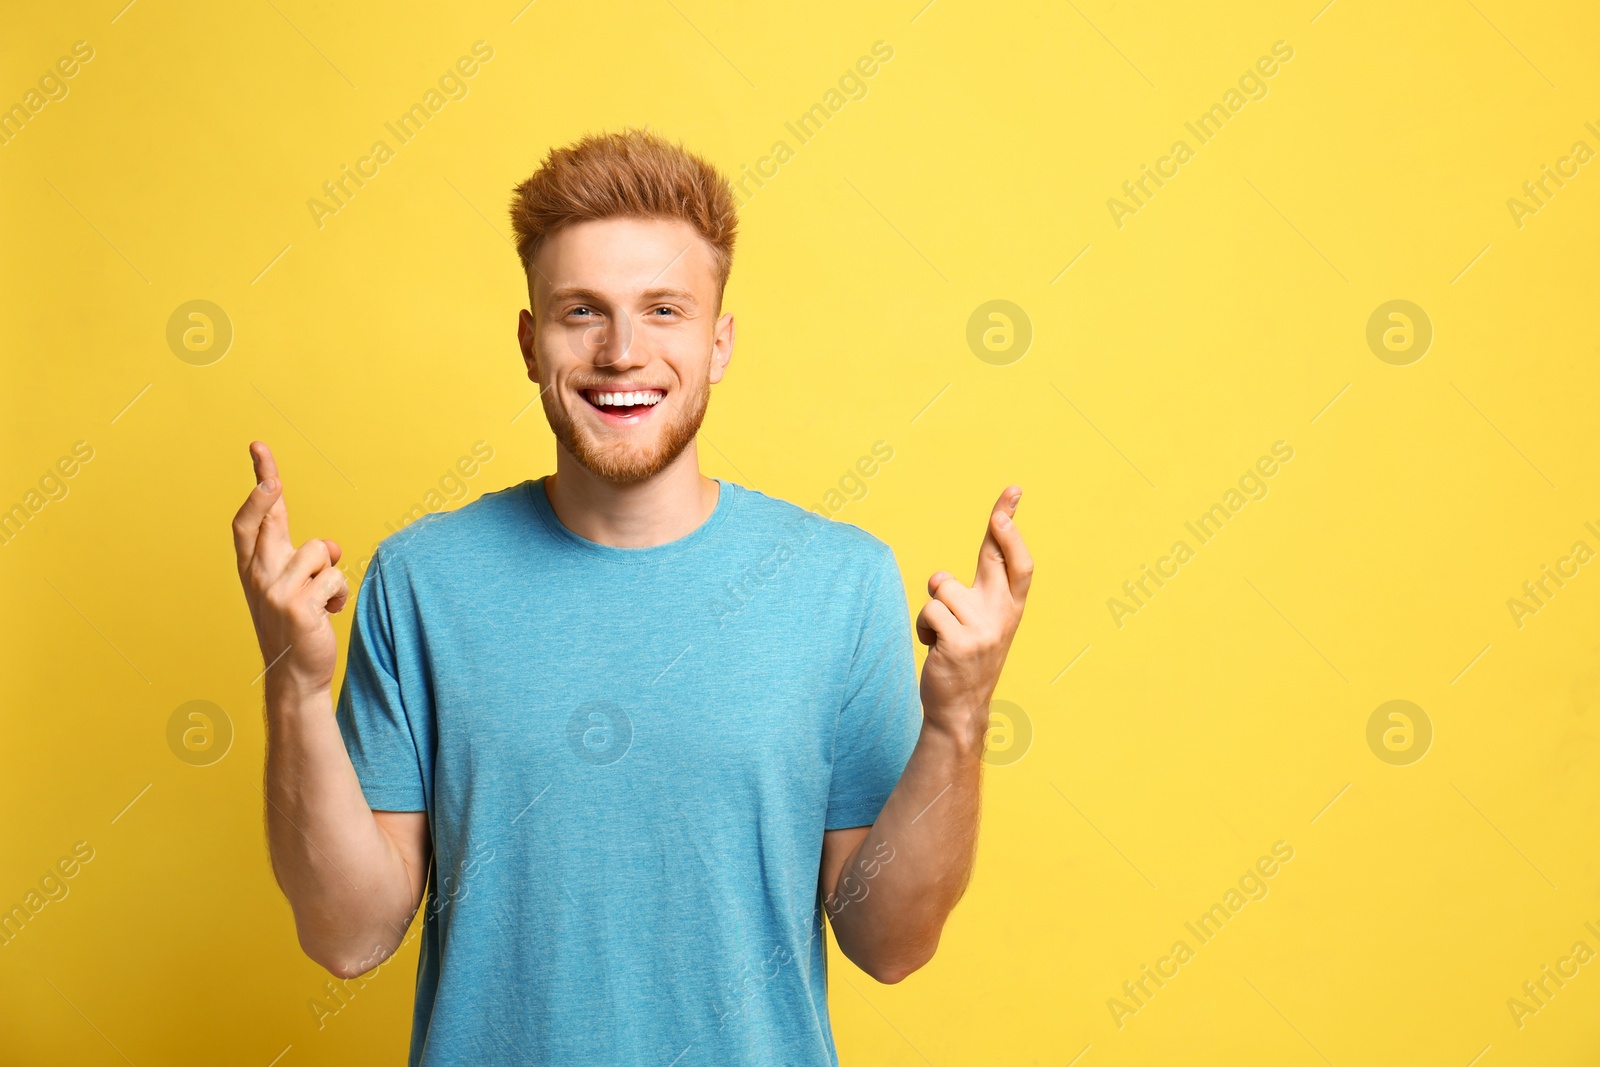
385 710
880 716
837 848
408 833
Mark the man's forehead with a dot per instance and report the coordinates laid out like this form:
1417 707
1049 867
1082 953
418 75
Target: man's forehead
624 256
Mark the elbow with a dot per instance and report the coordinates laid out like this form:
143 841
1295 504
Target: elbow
344 970
896 970
893 974
342 967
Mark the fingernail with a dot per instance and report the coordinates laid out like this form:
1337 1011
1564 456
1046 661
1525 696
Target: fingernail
1002 519
270 485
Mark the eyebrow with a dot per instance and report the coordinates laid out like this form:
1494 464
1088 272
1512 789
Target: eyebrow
590 296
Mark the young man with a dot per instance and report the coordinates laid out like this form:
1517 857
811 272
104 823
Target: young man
632 728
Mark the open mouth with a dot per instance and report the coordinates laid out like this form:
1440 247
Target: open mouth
626 407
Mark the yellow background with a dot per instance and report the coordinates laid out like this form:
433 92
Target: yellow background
1226 315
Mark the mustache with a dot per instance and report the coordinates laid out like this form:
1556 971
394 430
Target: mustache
610 386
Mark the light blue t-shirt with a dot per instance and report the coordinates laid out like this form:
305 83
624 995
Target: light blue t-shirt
628 757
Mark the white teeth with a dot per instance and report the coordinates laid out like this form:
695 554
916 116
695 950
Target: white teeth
648 399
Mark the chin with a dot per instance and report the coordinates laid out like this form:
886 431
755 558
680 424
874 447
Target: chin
628 462
621 465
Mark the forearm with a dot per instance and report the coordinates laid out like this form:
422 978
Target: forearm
345 879
900 885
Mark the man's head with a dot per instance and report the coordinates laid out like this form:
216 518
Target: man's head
627 242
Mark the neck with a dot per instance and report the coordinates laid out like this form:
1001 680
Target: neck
670 505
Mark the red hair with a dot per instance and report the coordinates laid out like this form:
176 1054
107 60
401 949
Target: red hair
635 174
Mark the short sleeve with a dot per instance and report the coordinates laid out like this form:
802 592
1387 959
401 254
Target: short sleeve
882 713
382 712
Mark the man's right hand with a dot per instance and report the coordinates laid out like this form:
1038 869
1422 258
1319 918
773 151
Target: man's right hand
354 877
291 591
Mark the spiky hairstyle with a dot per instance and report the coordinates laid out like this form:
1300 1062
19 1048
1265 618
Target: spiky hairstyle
634 173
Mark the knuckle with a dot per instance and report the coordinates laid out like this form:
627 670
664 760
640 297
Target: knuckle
261 579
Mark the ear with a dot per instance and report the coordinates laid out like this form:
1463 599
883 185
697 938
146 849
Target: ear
721 347
526 335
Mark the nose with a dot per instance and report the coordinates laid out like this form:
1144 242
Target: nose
612 345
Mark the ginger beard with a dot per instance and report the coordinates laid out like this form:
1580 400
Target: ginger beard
627 455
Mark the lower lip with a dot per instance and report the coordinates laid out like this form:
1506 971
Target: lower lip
634 415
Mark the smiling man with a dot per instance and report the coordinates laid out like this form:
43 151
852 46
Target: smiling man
630 812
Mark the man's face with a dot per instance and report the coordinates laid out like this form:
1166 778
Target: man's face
625 340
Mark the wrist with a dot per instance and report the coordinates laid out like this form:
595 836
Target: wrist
287 694
965 730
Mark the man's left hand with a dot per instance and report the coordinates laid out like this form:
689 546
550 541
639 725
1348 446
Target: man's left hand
968 631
